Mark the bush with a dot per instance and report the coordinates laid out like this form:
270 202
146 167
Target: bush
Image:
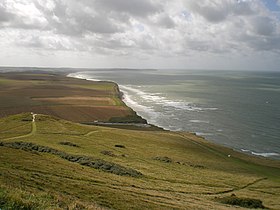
243 202
68 144
120 146
164 159
83 160
128 119
109 153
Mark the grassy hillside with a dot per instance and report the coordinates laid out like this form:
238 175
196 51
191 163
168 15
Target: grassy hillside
56 164
57 95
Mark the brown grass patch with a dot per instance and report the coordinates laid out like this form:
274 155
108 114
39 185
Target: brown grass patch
68 98
78 113
78 100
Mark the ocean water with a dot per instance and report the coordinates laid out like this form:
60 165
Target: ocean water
240 110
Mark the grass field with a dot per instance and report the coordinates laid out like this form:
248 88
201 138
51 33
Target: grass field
51 161
179 170
68 98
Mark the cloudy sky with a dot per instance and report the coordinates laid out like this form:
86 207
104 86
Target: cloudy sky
188 34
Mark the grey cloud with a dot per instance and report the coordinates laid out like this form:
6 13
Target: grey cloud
139 26
263 44
14 20
76 19
145 42
258 34
49 43
198 45
4 15
263 26
140 8
21 23
113 44
166 22
148 43
268 44
206 46
32 41
218 10
214 11
244 25
242 8
81 25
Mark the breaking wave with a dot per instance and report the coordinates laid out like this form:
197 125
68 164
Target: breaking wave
263 154
82 75
161 100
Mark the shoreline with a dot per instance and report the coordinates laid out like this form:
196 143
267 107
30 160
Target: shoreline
121 95
55 110
262 155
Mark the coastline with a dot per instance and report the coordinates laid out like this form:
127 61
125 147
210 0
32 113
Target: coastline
144 123
246 152
102 159
117 123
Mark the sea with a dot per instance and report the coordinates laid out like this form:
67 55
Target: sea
236 109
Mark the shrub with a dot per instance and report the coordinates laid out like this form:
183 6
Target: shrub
164 159
83 160
109 153
120 146
68 144
243 202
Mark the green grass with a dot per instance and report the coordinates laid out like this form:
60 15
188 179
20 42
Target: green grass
196 173
128 119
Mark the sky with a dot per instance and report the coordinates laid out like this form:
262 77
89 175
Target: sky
177 34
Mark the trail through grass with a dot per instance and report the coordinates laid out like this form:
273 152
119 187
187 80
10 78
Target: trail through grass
32 132
196 173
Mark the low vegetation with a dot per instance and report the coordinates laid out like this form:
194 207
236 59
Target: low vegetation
107 152
68 144
243 202
128 119
53 163
83 160
164 159
119 146
123 169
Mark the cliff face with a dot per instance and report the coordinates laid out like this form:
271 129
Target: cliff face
133 117
118 92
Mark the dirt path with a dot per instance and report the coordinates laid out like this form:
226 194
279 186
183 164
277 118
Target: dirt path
91 132
238 188
211 150
33 130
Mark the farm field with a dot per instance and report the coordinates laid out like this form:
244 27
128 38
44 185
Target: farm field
57 95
